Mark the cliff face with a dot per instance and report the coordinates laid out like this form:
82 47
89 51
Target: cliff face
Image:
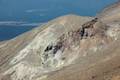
67 48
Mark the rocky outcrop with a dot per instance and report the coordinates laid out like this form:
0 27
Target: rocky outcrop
67 48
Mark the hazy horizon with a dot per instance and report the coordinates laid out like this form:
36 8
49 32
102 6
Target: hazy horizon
14 13
45 10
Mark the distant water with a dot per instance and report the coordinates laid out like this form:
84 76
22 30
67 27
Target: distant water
39 11
8 32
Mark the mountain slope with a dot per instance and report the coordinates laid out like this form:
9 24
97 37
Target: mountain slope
104 65
110 14
29 41
67 48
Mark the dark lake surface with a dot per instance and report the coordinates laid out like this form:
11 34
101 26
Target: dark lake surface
8 32
19 16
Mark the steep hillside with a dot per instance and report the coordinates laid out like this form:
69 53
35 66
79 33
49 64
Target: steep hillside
28 48
67 48
110 14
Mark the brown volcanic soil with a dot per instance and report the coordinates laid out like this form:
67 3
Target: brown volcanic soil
102 66
67 48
